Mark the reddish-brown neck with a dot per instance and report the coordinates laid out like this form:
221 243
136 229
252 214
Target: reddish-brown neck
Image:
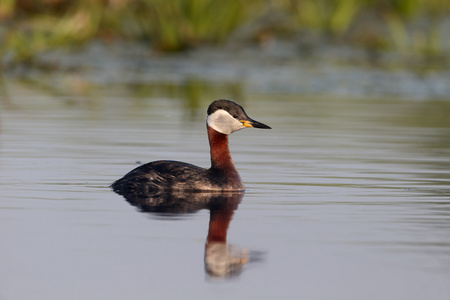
219 221
220 152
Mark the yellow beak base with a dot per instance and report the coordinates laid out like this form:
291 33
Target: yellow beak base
246 123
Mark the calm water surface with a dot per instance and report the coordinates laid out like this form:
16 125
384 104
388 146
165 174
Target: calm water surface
346 199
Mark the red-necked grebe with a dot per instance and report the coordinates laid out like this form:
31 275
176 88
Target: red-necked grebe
224 117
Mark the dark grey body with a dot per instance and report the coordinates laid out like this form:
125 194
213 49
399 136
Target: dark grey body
172 176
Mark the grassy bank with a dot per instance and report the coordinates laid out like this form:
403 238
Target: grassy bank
412 27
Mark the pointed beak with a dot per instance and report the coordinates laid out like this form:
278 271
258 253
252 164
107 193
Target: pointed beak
255 124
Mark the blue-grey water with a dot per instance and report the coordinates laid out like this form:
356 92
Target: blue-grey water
345 199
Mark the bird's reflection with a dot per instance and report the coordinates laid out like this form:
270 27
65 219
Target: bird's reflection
221 260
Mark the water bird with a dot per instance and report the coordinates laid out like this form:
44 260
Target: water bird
223 118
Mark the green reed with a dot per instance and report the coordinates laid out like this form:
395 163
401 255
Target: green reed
28 28
331 17
416 26
412 27
181 24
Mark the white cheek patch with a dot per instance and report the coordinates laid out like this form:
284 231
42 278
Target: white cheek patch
223 122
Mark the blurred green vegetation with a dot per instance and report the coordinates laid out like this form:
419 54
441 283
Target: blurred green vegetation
413 27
